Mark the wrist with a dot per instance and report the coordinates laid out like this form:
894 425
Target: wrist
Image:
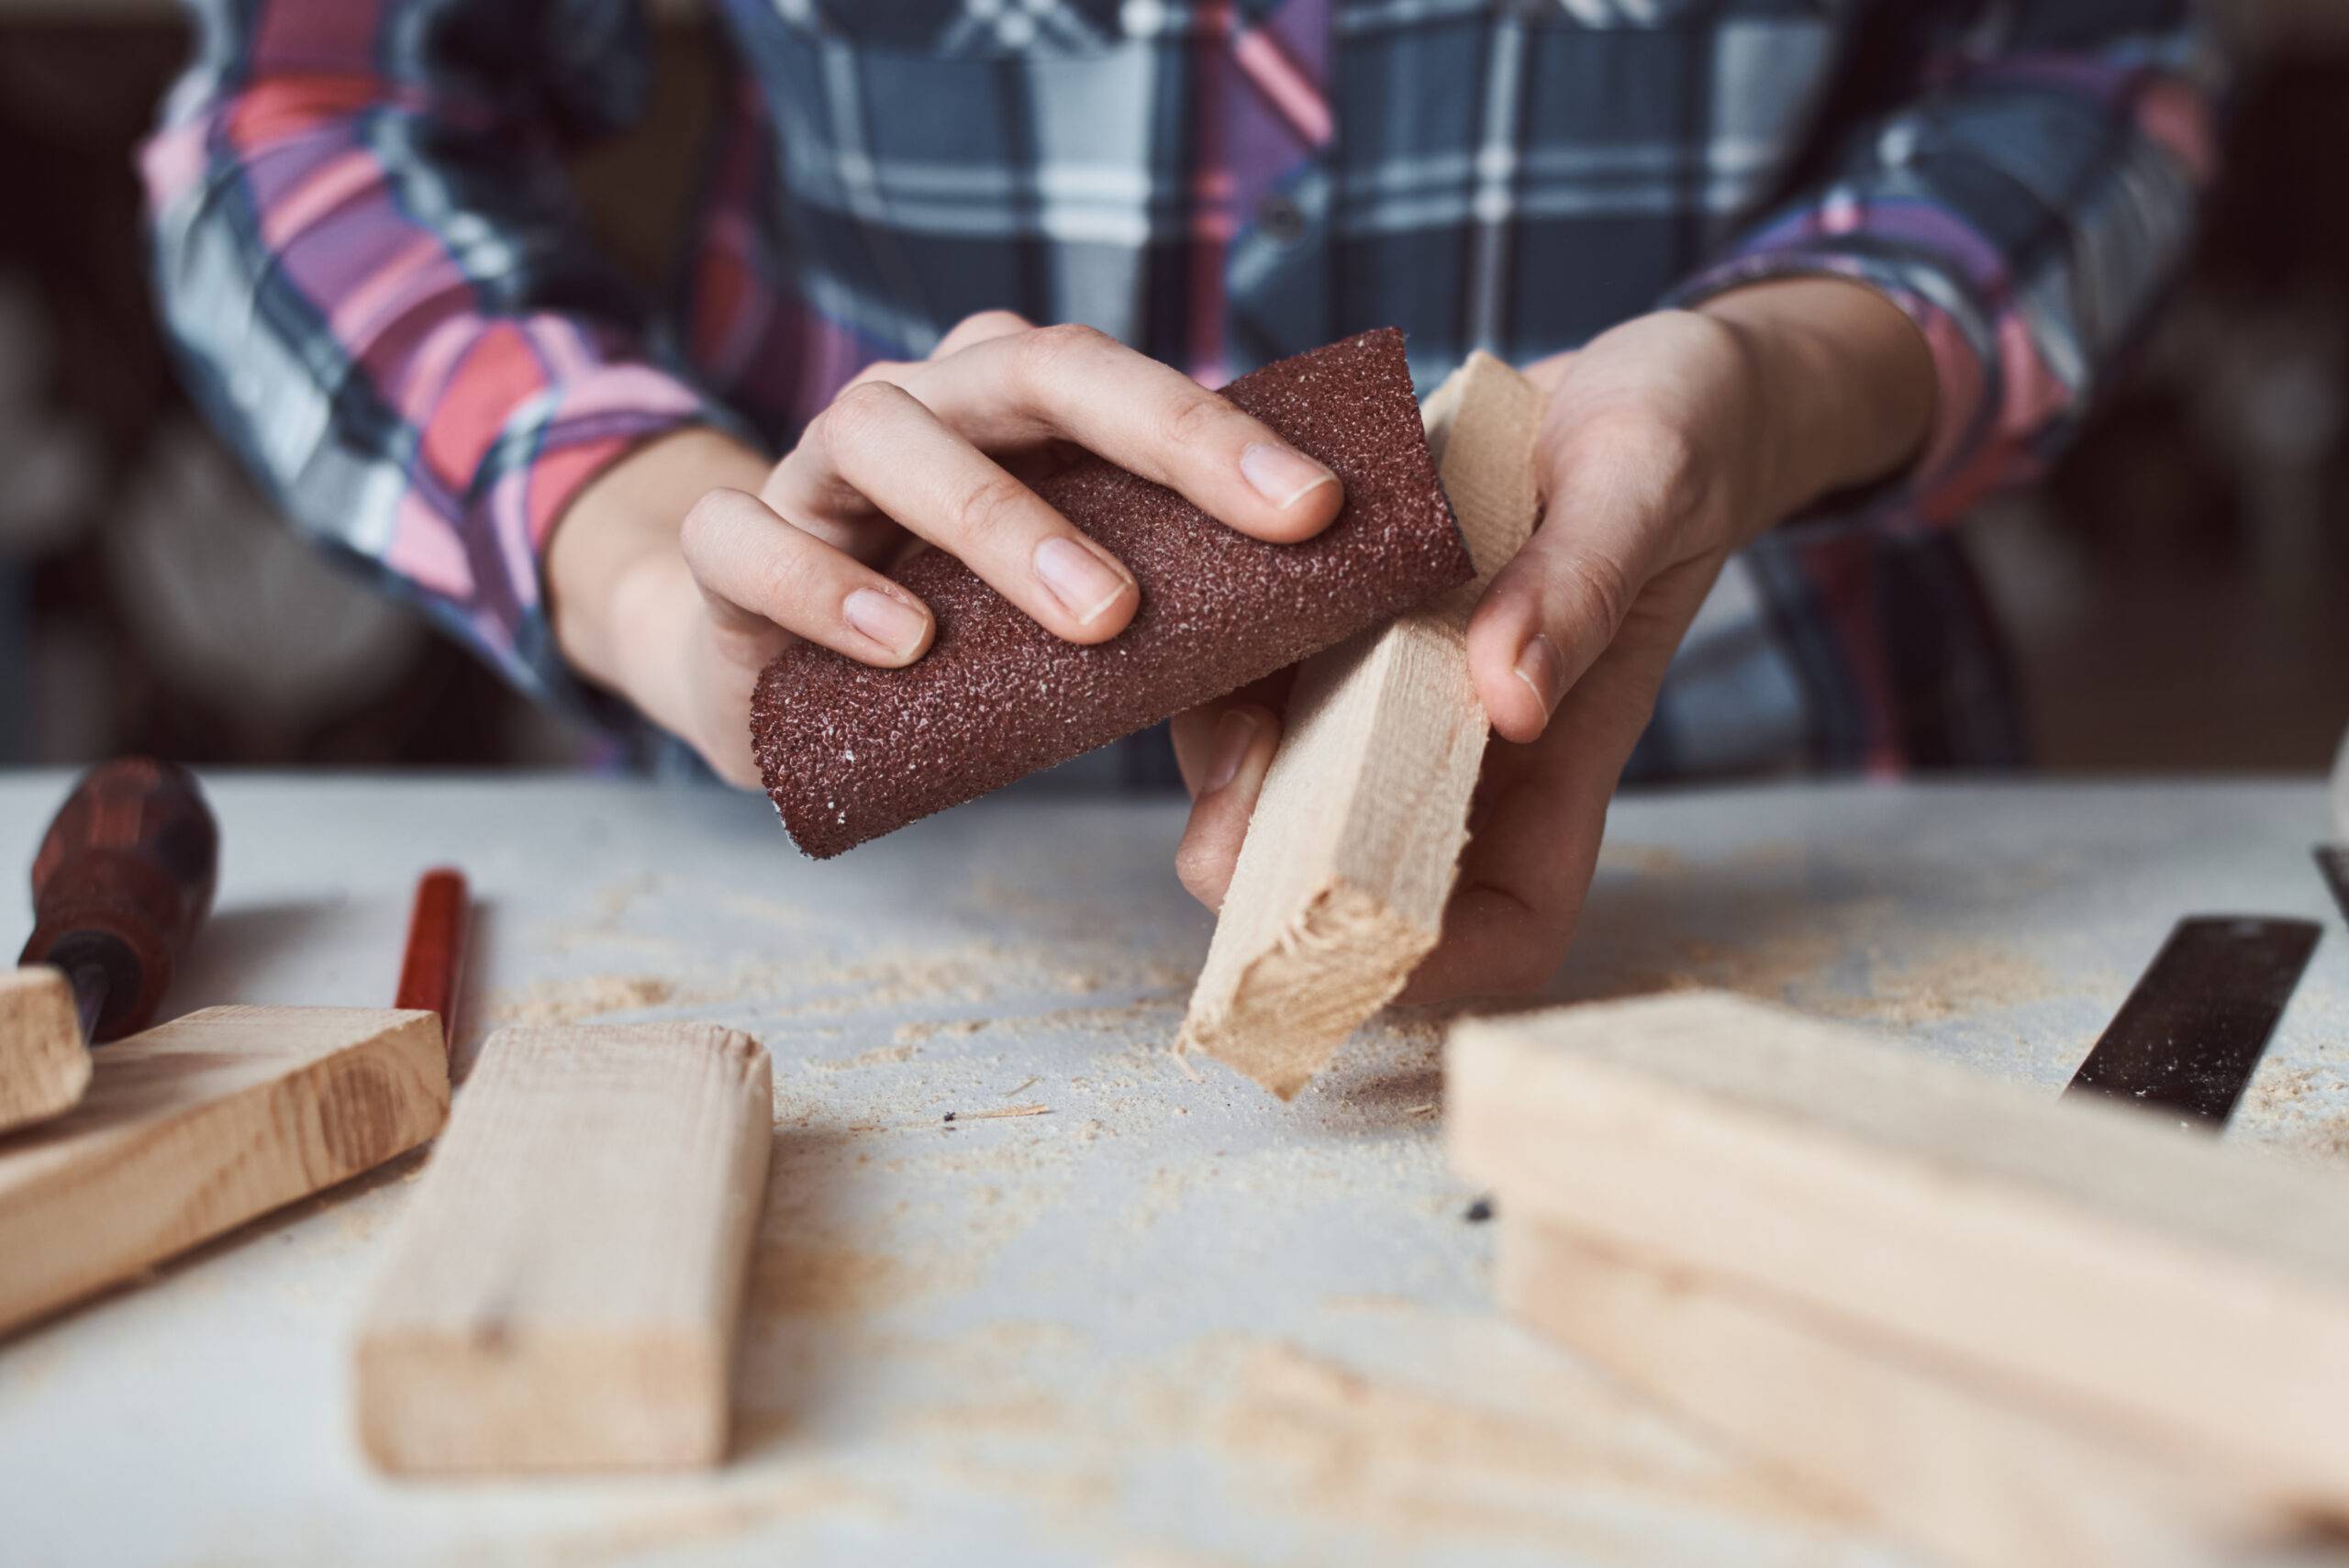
620 597
1845 385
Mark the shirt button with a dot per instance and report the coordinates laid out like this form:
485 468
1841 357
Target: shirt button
1280 220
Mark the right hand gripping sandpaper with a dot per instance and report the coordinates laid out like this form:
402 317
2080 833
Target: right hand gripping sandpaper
850 753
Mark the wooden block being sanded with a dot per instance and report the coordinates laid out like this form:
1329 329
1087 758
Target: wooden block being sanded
192 1128
1349 858
850 753
44 1065
1936 1462
2084 1256
563 1294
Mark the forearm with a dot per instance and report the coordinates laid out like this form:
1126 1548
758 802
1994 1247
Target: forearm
2025 212
1844 387
320 200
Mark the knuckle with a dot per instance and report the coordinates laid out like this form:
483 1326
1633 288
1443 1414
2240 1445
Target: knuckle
706 521
1595 588
858 414
893 371
1196 419
987 324
990 507
1047 353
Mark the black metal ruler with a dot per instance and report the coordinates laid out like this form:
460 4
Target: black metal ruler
2191 1034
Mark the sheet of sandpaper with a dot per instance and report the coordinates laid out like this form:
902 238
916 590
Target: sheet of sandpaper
850 753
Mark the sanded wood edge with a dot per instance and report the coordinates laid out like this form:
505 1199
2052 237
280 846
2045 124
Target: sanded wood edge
92 1198
44 1065
1339 888
1997 1230
487 1367
1344 957
1935 1462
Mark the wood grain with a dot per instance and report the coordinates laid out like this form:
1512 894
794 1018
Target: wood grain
563 1294
2117 1272
1932 1461
44 1065
192 1128
1341 881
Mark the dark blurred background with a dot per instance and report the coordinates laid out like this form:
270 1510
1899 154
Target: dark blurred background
2177 596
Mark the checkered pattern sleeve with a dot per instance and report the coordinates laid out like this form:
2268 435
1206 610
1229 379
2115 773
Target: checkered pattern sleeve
367 259
2025 208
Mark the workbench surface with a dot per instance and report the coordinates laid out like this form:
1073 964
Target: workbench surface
1171 1321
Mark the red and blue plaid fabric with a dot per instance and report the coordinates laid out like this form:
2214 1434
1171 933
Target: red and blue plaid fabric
367 251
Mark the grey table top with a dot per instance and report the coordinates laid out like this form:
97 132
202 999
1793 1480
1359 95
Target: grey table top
1169 1322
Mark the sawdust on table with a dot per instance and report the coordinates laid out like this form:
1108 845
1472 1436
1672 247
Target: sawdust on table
578 998
2298 1109
921 1029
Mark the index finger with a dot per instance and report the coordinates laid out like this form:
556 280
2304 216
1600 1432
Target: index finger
1150 418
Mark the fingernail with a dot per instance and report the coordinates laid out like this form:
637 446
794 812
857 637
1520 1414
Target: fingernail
1084 583
1233 733
1282 476
894 624
1543 669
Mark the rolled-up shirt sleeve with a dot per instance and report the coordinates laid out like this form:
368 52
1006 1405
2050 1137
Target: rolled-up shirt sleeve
2025 208
372 268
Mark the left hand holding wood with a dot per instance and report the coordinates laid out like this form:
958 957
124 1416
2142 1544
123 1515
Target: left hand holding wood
1670 442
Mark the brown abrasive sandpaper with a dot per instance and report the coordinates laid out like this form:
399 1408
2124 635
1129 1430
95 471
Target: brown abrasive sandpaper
850 753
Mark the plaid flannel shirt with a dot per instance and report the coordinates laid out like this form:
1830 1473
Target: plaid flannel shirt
369 257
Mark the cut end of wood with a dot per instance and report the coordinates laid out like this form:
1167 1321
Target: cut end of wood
563 1292
1343 958
44 1065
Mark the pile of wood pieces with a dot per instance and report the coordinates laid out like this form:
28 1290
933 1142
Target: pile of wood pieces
2013 1329
565 1289
167 1137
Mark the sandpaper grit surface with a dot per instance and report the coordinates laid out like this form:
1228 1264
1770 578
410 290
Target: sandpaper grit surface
850 753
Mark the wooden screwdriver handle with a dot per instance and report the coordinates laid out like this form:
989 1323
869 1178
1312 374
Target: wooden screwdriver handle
132 856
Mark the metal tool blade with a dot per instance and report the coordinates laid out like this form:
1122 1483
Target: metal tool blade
2191 1035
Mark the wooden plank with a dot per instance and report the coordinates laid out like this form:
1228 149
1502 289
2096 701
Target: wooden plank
44 1066
2096 1260
1932 1461
563 1294
195 1127
1349 860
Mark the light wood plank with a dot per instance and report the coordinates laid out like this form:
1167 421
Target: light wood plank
564 1293
44 1065
1933 1461
195 1127
1340 884
2140 1279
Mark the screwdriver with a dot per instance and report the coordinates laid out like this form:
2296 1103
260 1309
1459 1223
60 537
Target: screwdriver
122 879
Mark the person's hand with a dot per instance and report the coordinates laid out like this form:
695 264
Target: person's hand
685 567
1669 442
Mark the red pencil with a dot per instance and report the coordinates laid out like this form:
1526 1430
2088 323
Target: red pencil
435 948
